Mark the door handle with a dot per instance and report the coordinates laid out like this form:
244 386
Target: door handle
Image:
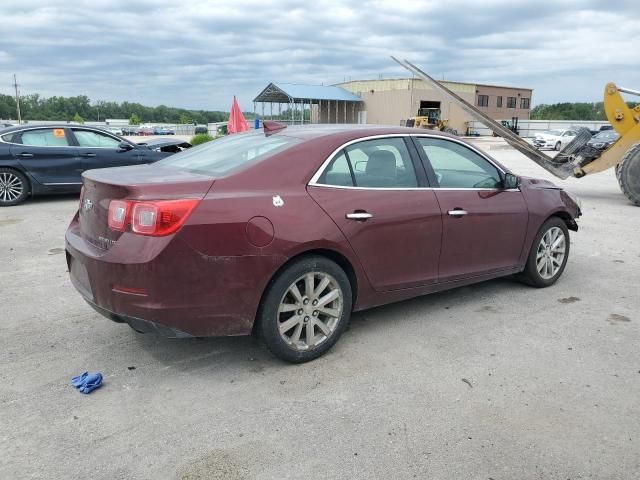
360 216
457 212
88 154
26 155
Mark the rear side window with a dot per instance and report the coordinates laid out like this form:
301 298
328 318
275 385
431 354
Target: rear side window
44 137
231 153
379 163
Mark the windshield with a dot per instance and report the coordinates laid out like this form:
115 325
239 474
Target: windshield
556 133
607 135
231 153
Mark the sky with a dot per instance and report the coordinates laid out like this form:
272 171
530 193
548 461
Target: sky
198 54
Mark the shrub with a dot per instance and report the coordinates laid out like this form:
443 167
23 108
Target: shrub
200 138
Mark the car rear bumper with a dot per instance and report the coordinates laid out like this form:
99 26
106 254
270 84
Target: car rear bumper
164 285
139 325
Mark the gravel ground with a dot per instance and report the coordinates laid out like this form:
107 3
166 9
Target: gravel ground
496 380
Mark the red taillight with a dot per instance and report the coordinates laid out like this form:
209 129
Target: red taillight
156 218
119 214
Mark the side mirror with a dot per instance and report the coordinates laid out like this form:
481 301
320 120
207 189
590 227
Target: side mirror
124 146
510 181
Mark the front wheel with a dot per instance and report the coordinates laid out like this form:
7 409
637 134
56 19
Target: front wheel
306 309
628 174
558 146
14 187
548 255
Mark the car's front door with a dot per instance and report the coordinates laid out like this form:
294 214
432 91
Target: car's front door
375 191
46 154
101 150
484 225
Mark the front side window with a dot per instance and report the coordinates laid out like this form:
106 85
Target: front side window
44 137
457 166
230 153
89 138
379 163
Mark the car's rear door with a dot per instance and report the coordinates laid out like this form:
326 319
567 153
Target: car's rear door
484 225
47 155
101 150
376 191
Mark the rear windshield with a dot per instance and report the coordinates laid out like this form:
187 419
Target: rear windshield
228 154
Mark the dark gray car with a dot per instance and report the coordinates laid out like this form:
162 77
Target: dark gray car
49 159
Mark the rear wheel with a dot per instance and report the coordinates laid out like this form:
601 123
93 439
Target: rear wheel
14 187
548 255
628 174
305 309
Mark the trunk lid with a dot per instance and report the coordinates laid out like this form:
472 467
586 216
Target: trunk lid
139 182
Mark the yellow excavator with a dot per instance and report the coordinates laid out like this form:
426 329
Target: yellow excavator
576 159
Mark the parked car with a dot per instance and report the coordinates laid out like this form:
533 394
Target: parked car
201 129
129 131
39 159
286 232
167 145
554 139
163 131
116 131
144 131
603 140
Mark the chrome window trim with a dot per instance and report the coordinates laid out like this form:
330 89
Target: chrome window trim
63 183
415 188
314 180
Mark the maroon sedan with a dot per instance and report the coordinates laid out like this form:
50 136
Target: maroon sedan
284 232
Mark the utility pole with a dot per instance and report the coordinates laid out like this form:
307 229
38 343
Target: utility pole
15 84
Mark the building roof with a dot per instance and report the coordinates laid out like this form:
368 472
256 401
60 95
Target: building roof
287 92
415 79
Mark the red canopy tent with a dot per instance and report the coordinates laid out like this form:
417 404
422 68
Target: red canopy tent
236 123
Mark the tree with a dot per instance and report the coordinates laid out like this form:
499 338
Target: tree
35 107
134 119
77 118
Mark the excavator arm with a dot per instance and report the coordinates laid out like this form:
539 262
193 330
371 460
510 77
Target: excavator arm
560 170
625 121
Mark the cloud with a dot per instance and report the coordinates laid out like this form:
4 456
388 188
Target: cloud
199 54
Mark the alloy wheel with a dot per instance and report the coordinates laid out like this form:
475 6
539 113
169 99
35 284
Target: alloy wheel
11 187
310 310
551 252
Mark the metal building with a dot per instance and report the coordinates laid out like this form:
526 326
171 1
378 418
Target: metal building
393 101
323 104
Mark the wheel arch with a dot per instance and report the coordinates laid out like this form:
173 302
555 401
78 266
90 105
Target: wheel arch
566 218
333 255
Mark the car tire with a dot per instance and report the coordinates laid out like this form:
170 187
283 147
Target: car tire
293 321
14 187
558 146
545 264
628 174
